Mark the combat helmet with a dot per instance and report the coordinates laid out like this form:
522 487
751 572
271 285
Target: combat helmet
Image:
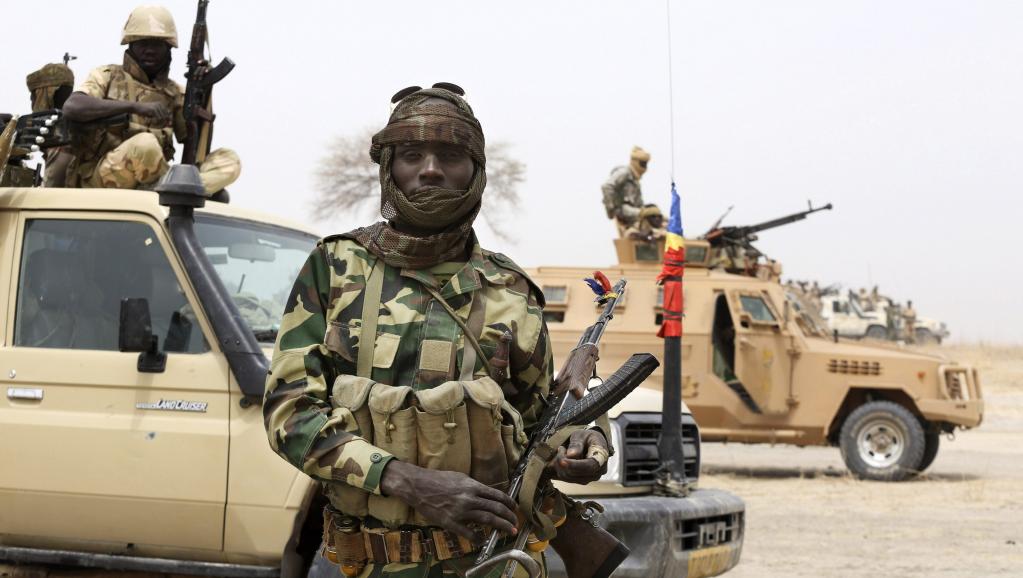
150 21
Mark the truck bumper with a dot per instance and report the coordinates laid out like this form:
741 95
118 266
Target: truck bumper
700 535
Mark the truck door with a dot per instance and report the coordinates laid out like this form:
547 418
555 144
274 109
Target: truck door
93 449
762 363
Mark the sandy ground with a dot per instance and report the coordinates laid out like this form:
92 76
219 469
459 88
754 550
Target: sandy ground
807 518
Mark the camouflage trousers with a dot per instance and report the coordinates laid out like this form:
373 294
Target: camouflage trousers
138 162
438 569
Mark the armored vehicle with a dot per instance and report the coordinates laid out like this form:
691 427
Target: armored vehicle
758 367
133 346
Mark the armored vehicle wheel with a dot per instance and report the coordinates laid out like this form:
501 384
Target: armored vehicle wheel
932 440
876 332
925 337
882 440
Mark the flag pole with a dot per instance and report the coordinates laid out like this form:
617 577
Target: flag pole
671 475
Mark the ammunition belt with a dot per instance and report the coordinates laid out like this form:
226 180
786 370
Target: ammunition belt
411 545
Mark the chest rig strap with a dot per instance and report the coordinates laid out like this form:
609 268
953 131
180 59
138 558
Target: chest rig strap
468 333
371 298
370 315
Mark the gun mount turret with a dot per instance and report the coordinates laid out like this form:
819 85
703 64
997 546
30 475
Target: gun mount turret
732 246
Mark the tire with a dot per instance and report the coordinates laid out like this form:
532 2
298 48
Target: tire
883 441
876 332
926 337
932 440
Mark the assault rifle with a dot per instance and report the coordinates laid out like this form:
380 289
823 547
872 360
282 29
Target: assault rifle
744 236
198 109
590 551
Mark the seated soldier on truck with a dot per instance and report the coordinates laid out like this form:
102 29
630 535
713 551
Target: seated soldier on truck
136 155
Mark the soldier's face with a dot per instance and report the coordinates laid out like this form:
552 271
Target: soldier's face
431 164
152 54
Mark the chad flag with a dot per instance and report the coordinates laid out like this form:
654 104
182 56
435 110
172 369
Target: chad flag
671 274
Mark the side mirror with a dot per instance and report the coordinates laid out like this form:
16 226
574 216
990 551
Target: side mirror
135 333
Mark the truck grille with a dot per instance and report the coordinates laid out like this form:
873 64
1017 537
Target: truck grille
639 451
854 367
957 383
708 531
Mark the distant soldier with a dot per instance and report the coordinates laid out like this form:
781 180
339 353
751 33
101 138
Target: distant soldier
137 155
50 87
909 322
649 226
623 198
892 315
874 299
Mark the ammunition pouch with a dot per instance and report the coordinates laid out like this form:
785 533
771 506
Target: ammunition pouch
459 426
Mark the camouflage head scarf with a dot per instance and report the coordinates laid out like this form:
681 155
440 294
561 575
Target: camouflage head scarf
447 214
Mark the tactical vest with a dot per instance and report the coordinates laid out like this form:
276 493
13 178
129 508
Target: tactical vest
463 425
128 83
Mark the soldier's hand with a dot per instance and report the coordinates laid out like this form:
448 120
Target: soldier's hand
582 460
157 111
451 500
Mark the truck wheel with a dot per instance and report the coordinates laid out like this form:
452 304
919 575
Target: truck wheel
932 440
876 332
882 440
925 337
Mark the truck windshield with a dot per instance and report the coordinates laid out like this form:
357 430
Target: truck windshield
258 263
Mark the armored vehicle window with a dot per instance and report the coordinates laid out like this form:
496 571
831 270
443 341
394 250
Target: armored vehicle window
696 254
554 316
258 264
74 274
757 308
555 294
647 253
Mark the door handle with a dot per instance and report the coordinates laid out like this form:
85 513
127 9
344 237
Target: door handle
25 393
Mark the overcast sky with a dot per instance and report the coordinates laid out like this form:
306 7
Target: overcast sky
908 116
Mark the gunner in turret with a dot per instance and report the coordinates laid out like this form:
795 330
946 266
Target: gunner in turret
623 198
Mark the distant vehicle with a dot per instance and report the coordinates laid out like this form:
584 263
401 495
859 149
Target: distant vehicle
847 315
757 366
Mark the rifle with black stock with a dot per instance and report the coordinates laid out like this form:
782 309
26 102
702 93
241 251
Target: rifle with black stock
587 550
198 108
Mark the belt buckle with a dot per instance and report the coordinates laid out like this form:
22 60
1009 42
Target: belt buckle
426 541
404 546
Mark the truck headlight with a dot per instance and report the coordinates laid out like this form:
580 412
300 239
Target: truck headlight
614 463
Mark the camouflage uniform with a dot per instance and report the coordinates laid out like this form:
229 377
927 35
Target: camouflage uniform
137 155
417 344
623 199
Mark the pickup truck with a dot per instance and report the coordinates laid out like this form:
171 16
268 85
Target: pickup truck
133 437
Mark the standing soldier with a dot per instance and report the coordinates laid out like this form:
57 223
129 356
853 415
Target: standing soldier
909 322
136 156
49 87
623 198
410 362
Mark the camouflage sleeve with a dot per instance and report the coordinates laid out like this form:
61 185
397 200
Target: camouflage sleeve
610 189
296 407
532 365
97 83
